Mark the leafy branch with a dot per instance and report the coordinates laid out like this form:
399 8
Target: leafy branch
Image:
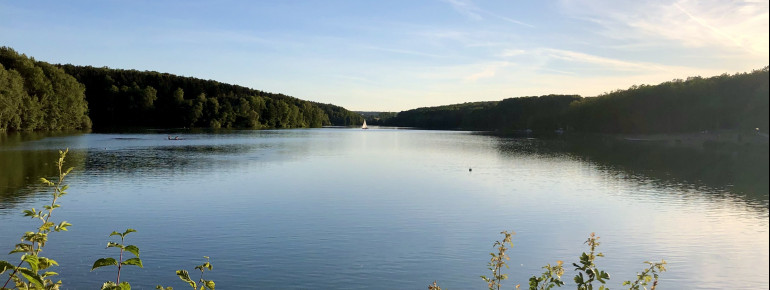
498 260
588 267
103 262
648 275
33 242
185 276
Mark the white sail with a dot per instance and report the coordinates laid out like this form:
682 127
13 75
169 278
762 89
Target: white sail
364 126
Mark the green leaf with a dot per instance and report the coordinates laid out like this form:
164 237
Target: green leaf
125 286
62 226
21 248
104 262
46 181
46 274
114 245
133 262
133 250
30 213
209 284
32 276
108 285
4 266
33 262
45 263
114 233
45 226
185 276
128 231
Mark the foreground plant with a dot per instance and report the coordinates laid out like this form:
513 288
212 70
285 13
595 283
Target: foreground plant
29 276
135 261
497 262
588 267
32 244
549 279
185 276
648 275
588 273
434 286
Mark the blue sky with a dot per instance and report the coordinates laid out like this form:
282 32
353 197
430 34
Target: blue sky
396 55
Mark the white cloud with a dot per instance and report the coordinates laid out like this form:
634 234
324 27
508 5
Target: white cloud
605 63
489 71
512 52
726 25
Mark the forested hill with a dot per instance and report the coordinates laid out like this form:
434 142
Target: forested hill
545 112
120 98
38 96
725 102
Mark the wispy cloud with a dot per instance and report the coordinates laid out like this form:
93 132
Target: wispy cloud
604 62
511 20
403 51
512 52
489 70
473 11
746 26
703 23
466 8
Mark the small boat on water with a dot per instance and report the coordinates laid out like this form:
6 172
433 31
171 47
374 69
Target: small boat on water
364 126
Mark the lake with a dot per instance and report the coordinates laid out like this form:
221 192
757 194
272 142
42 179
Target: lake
342 208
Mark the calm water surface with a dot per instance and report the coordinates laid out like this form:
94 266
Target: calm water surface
376 209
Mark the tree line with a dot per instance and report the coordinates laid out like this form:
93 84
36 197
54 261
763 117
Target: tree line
725 102
36 95
510 115
41 96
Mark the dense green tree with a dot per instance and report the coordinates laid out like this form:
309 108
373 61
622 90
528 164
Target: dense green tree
39 96
12 96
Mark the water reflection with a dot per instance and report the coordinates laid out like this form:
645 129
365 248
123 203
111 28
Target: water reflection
21 169
25 157
739 171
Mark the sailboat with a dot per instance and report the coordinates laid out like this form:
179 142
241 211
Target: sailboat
364 126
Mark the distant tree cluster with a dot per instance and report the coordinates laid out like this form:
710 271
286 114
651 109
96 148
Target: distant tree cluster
36 95
731 102
120 98
735 102
339 116
377 118
458 116
514 114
